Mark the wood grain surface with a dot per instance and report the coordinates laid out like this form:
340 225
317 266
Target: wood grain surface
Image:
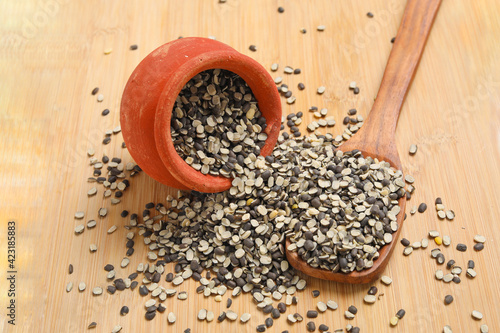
52 56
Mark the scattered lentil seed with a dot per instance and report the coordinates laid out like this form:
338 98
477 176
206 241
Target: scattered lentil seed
447 329
471 273
100 98
231 315
413 149
321 90
407 250
321 307
370 299
422 207
269 322
124 310
448 278
373 290
479 239
484 328
311 326
394 321
69 287
321 28
97 291
461 247
202 314
349 315
477 315
386 280
221 317
261 328
301 86
281 10
116 329
369 14
440 258
312 314
478 246
172 318
252 48
448 299
245 317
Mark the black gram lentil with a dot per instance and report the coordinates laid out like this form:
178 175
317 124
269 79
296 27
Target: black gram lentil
124 310
422 207
400 314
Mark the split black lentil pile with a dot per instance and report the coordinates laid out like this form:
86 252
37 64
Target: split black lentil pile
216 123
347 211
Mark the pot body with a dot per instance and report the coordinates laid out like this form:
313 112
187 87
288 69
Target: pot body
150 94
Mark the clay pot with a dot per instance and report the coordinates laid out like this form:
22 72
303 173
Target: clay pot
149 96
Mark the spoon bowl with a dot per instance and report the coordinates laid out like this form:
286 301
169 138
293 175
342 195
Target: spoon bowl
376 138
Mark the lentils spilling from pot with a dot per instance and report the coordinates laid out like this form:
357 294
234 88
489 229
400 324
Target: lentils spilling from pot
216 124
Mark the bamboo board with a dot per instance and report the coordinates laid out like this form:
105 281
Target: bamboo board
51 57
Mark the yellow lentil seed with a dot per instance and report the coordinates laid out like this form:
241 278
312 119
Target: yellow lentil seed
438 240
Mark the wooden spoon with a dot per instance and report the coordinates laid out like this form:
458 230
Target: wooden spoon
376 138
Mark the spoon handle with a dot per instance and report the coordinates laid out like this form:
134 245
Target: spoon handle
400 69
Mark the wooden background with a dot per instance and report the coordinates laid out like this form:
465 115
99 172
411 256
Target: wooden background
51 57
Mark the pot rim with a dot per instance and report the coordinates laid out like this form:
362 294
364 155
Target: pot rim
259 81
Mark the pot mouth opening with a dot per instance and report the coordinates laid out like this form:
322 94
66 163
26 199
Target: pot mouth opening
216 123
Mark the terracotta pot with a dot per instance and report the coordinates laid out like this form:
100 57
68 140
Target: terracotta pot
149 96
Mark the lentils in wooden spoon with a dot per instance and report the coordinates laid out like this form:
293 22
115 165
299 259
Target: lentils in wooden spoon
376 138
